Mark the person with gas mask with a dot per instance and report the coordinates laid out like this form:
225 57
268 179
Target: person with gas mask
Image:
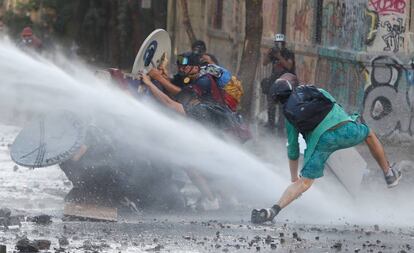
283 61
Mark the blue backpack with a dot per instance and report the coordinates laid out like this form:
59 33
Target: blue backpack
306 108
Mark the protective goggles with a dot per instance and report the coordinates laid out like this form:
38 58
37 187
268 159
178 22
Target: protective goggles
182 60
27 41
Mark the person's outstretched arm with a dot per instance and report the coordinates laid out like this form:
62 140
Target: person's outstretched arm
171 88
161 96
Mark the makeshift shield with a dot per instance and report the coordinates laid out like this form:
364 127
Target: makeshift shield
154 52
48 140
348 166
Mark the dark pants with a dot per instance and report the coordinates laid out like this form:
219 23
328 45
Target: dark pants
271 106
271 114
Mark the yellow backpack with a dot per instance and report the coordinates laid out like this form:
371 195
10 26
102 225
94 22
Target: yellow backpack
234 88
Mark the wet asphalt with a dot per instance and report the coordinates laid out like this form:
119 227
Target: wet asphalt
30 193
208 232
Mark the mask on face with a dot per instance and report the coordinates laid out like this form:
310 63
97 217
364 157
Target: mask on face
279 45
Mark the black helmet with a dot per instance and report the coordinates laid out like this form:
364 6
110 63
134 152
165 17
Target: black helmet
280 90
199 47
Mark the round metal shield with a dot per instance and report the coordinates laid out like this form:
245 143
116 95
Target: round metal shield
155 51
48 140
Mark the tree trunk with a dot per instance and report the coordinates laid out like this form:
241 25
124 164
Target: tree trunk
236 34
251 52
113 49
137 26
187 22
160 13
79 11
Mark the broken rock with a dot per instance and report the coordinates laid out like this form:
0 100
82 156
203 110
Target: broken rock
25 245
42 244
63 241
5 212
42 219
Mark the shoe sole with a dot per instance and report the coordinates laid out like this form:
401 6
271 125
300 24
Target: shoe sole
396 181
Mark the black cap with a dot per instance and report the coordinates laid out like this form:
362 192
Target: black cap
280 90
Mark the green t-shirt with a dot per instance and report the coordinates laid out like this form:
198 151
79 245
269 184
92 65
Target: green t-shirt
334 117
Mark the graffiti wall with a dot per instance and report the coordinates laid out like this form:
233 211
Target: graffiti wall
389 96
344 23
305 67
344 80
359 50
299 20
391 25
381 86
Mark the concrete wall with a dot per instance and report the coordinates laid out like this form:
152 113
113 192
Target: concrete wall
362 57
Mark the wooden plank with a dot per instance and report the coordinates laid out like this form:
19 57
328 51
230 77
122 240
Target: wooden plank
90 211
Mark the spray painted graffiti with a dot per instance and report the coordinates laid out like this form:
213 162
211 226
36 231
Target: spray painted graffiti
305 68
388 100
302 22
388 6
394 36
390 34
300 15
343 79
342 23
372 19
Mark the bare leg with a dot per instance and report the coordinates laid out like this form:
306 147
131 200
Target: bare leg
200 182
294 191
377 151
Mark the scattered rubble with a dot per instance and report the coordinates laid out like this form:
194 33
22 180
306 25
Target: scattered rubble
42 219
26 245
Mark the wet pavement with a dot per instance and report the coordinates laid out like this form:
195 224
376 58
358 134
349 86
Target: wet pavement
32 192
209 232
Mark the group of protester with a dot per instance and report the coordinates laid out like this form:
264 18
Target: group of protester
304 109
